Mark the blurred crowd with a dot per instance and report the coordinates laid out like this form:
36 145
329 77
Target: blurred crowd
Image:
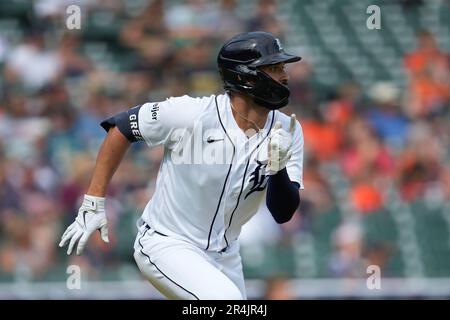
57 85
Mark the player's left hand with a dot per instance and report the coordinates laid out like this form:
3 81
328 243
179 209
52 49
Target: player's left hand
280 143
91 217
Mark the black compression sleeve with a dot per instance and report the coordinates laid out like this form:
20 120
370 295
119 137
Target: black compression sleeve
282 196
127 122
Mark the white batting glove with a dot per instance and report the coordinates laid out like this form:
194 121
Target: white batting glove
280 143
91 217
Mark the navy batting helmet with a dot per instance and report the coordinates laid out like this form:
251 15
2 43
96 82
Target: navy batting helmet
238 63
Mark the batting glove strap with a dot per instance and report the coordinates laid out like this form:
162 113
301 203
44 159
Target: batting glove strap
93 203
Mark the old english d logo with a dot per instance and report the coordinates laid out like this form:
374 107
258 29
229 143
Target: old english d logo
259 179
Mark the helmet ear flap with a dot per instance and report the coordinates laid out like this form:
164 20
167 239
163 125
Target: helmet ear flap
238 81
269 93
264 90
247 81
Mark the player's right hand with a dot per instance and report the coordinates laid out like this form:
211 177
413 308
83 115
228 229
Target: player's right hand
91 217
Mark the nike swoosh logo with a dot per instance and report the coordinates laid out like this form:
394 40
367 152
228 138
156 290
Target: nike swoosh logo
84 218
211 140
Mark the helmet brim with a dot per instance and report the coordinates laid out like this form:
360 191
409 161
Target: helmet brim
274 59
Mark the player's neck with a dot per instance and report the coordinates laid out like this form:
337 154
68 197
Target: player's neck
247 114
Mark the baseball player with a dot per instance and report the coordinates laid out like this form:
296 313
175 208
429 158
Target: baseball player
187 241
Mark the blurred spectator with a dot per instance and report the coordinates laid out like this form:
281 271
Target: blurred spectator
339 111
366 197
346 261
196 65
86 127
29 251
191 19
325 127
227 23
73 63
265 19
149 23
32 64
304 93
9 195
317 198
364 151
428 70
62 144
421 163
386 117
369 166
324 140
151 19
153 54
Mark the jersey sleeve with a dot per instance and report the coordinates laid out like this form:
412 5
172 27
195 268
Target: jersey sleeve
295 164
156 122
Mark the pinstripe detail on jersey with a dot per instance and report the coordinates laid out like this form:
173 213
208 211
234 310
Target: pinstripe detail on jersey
243 178
237 202
148 257
226 178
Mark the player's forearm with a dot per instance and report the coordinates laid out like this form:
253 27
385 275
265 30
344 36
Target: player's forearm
109 157
282 197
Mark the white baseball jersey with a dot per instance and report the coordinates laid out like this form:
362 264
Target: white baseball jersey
212 177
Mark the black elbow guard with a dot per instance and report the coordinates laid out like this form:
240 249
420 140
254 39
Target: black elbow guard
127 122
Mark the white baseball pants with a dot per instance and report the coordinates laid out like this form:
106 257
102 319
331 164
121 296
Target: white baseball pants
180 270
